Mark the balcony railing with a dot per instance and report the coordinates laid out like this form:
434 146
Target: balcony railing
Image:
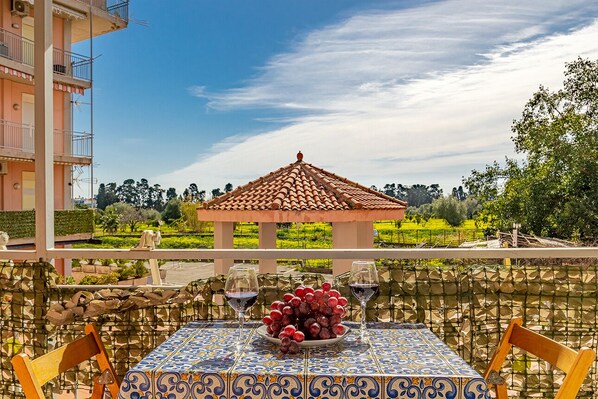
20 49
116 8
70 64
467 302
20 137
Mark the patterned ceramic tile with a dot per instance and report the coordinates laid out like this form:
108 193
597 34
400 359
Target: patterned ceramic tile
401 361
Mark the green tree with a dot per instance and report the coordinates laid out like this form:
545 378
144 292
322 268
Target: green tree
189 216
172 211
390 190
128 215
142 189
554 190
459 193
170 194
127 192
216 193
101 197
472 207
106 195
109 220
450 209
228 188
156 197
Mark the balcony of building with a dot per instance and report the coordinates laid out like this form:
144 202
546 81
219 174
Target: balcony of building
17 143
16 54
107 16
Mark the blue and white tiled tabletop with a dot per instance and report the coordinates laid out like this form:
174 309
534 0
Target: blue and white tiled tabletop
402 361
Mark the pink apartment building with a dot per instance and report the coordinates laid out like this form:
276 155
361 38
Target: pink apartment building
73 21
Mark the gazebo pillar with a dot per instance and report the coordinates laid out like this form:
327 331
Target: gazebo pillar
267 239
350 235
223 239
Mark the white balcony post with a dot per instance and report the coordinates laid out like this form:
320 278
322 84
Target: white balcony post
44 129
267 240
223 239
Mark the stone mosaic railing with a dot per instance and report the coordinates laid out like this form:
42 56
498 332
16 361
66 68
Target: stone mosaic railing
466 306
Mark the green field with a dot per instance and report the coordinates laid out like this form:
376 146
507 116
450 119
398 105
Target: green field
435 232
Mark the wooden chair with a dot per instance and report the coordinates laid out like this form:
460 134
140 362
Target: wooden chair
33 374
574 364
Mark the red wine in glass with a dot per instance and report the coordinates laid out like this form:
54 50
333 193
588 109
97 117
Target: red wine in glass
240 290
364 283
363 291
241 301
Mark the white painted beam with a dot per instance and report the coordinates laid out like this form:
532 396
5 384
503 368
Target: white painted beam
44 128
246 254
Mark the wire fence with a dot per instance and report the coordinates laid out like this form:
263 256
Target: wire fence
466 303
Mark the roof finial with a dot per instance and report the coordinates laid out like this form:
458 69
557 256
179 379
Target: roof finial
299 156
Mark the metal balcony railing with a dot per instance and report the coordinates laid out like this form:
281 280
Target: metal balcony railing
20 49
16 48
71 64
18 136
116 8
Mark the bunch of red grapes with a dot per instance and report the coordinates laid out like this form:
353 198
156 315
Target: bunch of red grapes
308 314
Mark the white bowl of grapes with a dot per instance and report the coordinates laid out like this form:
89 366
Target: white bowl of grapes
306 318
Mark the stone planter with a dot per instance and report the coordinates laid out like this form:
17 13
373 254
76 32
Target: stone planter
134 281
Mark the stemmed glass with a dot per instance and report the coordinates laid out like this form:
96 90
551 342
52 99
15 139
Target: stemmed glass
363 282
240 290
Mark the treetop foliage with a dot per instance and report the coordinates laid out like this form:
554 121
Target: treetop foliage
141 195
554 190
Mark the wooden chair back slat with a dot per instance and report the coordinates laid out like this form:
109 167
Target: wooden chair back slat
574 364
33 374
52 364
545 348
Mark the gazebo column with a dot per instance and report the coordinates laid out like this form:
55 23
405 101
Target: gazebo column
350 235
223 239
267 237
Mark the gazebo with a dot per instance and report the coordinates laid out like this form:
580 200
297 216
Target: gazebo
300 192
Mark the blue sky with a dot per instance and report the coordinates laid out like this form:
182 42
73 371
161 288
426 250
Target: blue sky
212 92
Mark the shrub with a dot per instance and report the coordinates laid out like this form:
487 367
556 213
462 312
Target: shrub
125 272
139 269
450 209
89 280
111 278
172 211
69 280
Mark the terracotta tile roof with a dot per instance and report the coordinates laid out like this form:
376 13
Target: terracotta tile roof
301 186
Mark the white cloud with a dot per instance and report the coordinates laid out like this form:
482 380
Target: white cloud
421 95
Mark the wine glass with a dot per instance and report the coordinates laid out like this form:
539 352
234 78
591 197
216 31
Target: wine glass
240 290
363 282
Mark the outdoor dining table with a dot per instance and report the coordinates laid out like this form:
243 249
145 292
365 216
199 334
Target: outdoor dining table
400 361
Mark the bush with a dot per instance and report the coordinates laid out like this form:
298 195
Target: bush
89 280
450 209
139 269
125 272
69 280
172 211
111 278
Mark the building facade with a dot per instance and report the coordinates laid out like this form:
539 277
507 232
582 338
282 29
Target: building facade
73 21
